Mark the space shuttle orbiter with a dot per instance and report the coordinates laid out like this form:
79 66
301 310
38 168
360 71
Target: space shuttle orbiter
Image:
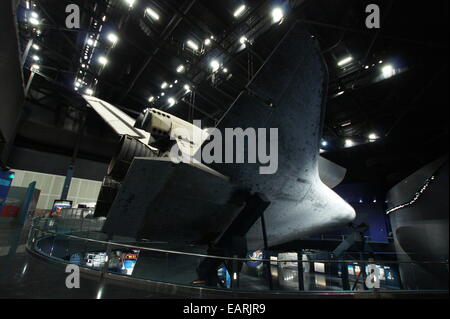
192 202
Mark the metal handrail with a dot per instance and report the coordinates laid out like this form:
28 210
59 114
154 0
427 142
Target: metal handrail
234 258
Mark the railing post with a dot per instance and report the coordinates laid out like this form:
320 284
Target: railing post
108 253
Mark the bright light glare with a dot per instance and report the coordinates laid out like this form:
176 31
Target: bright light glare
34 21
112 38
373 137
345 61
388 71
192 45
36 58
340 93
187 88
151 98
239 11
130 2
36 47
243 39
349 143
90 42
324 143
171 101
34 15
277 15
225 70
180 68
208 42
215 65
164 85
35 67
89 91
152 13
103 60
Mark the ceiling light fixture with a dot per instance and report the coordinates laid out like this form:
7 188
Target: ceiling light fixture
215 65
349 143
345 61
277 15
171 101
103 60
152 13
239 11
192 45
112 38
181 68
34 21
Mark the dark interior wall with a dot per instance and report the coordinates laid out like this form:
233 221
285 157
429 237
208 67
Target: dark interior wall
49 163
11 79
421 230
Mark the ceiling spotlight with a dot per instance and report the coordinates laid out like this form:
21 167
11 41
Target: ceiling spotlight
175 82
340 93
102 60
33 21
192 45
151 99
208 42
89 91
324 143
345 61
77 84
35 67
181 68
36 58
381 61
130 2
349 143
34 15
187 88
162 93
239 11
366 67
90 42
152 13
171 86
346 124
215 65
373 137
36 47
388 71
277 15
164 85
113 38
243 40
171 101
225 70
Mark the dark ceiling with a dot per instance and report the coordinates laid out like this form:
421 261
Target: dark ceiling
408 112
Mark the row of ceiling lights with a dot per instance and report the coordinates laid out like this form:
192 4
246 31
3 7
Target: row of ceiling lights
33 19
387 71
215 65
91 43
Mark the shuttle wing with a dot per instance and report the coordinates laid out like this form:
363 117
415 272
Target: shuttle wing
120 122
